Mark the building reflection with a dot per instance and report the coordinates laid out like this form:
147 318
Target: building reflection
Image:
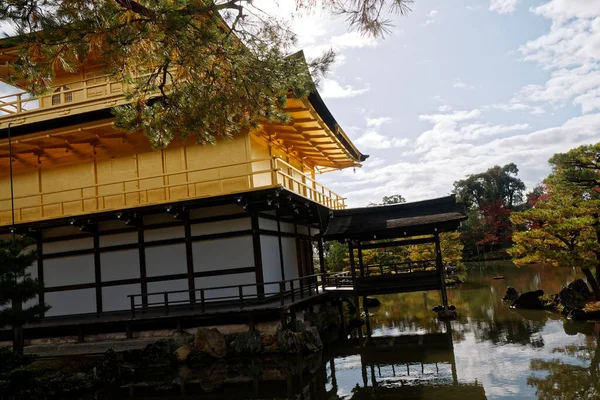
402 366
377 367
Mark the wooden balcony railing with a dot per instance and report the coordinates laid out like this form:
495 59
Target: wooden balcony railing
168 187
68 98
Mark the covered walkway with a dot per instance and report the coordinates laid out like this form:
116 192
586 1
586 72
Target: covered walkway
387 227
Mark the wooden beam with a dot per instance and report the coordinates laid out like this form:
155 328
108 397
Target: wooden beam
396 243
258 265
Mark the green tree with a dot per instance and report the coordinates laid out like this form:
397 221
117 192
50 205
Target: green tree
17 287
563 227
394 199
452 250
336 256
199 69
490 197
495 184
562 380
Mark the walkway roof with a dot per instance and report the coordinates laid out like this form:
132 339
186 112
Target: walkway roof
396 221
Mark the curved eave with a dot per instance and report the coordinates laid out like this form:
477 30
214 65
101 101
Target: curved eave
320 107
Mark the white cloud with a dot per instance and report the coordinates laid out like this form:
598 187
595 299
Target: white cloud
377 141
352 39
433 13
476 131
377 122
458 84
428 22
503 6
445 108
331 89
444 163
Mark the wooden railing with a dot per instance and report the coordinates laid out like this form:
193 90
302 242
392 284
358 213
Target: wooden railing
68 93
399 268
150 190
295 180
279 293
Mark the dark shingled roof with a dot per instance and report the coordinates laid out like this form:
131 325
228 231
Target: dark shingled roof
395 221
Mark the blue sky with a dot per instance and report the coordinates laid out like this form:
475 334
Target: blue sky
457 87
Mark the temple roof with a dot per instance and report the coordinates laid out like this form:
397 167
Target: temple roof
395 221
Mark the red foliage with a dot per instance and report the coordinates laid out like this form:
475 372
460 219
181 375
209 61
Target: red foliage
497 218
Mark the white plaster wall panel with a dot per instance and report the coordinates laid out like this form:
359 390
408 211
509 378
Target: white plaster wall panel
268 224
62 231
287 227
69 270
219 254
225 280
114 298
290 259
314 231
216 211
302 230
174 232
81 301
68 245
233 225
123 264
168 286
166 260
269 246
118 239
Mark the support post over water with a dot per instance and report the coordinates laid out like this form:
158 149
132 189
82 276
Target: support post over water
440 266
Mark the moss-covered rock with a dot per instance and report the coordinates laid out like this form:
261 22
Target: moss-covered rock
247 343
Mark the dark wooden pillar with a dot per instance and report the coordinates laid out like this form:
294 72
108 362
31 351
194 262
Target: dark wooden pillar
97 269
310 262
321 261
40 269
367 319
298 250
281 261
142 258
258 266
189 255
453 360
440 266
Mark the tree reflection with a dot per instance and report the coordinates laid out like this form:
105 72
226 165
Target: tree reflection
563 380
480 298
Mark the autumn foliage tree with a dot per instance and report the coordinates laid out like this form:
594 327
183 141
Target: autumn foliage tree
563 227
490 197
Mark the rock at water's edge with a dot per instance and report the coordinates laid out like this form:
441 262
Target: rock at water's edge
210 342
247 343
183 353
511 294
574 295
529 300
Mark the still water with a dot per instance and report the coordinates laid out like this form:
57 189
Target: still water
489 351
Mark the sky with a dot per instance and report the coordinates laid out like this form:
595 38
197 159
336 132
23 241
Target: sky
457 87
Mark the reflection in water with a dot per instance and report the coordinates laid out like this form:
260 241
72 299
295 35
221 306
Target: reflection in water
490 351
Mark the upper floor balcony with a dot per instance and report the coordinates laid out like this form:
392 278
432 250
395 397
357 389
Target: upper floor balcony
68 98
143 190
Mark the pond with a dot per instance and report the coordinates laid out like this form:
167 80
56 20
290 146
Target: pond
489 351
